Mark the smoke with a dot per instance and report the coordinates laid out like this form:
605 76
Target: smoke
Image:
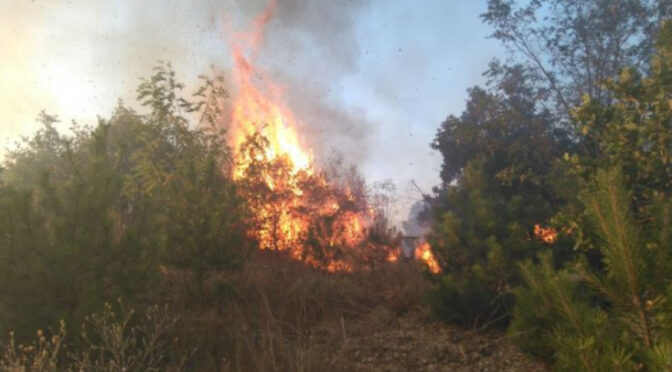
309 47
76 58
319 32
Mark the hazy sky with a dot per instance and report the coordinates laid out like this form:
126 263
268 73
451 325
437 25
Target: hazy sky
373 79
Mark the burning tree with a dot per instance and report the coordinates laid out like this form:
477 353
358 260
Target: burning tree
323 218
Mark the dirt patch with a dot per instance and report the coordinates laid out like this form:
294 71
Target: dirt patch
417 342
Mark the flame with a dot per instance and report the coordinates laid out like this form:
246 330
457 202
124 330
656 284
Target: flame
423 252
393 254
295 208
255 111
547 235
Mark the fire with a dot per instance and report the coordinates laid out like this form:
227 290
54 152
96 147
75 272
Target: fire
547 235
296 208
256 111
423 252
393 254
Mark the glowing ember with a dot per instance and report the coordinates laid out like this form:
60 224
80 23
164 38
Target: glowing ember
547 235
424 253
393 254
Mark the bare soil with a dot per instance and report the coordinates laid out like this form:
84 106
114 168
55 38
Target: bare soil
418 342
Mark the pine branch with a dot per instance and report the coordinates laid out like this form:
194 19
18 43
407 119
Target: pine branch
609 207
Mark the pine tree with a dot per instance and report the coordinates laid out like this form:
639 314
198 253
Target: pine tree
613 317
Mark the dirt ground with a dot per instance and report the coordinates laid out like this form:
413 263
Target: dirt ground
417 342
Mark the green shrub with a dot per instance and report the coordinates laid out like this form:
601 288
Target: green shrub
614 317
117 339
108 211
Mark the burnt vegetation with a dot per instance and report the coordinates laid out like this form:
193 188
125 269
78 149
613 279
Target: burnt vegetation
169 239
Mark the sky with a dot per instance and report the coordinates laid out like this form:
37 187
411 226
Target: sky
372 79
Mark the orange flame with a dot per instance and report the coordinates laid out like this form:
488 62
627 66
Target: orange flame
547 235
424 253
393 254
288 197
255 112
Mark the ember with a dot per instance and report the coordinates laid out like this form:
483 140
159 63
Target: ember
547 235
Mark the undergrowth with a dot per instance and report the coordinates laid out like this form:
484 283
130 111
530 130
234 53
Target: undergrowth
275 315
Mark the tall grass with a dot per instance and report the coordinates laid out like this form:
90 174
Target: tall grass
281 313
275 315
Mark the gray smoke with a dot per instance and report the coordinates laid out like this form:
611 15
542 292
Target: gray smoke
309 47
84 54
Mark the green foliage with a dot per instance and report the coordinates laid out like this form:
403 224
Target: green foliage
573 46
160 94
117 339
575 333
614 317
612 313
184 175
64 249
635 131
115 210
519 152
501 177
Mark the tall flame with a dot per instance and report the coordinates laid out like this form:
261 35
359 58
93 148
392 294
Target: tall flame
255 111
290 200
424 253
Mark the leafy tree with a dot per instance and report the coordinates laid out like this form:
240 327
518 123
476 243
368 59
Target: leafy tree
186 174
504 125
635 131
502 171
64 250
115 210
40 154
614 314
575 45
500 177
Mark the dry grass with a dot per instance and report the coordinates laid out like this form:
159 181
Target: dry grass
284 316
117 339
275 315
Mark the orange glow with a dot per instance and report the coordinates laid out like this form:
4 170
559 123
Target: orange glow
423 252
393 254
547 235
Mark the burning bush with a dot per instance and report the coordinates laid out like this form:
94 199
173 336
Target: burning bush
321 219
